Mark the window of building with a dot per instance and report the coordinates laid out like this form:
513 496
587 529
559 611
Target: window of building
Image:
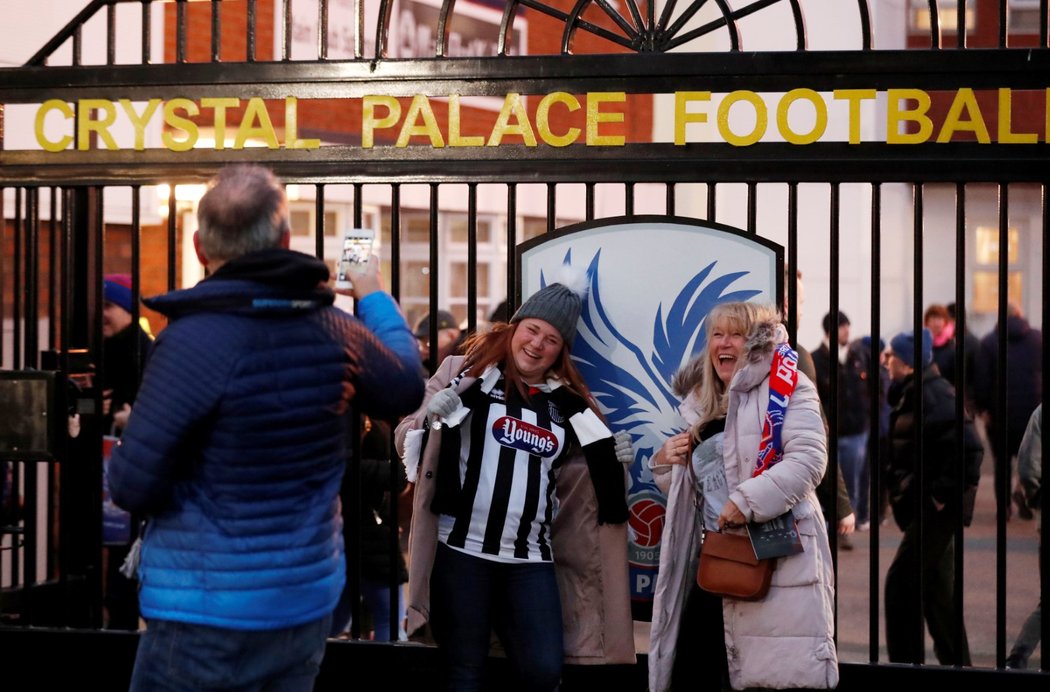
948 15
535 226
415 289
457 229
1024 16
457 289
986 271
531 227
303 218
415 228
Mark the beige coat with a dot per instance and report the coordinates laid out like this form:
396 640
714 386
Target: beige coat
590 559
787 639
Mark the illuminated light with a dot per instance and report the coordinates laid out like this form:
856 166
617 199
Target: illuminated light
183 193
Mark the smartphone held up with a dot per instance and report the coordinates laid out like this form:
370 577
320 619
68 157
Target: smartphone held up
356 251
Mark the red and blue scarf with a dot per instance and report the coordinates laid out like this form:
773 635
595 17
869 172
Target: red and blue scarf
783 376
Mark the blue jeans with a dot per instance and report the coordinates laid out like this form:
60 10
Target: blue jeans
177 657
853 461
470 596
376 596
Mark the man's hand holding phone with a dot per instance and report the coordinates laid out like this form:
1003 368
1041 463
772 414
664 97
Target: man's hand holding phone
355 255
365 279
357 274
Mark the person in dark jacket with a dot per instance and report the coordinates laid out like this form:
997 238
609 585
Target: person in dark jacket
125 348
833 496
942 329
1024 390
943 505
450 338
379 485
851 399
235 448
971 348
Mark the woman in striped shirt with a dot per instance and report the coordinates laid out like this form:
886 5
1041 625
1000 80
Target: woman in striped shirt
491 458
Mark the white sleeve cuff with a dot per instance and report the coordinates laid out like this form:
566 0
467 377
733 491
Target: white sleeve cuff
589 427
658 469
456 417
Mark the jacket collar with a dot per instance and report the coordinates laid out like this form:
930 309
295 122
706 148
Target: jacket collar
492 374
273 281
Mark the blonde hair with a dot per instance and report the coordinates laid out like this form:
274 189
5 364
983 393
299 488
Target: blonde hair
712 394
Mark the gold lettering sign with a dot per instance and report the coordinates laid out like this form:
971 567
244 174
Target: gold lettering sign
740 118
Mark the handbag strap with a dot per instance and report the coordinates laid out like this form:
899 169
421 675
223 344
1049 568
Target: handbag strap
698 496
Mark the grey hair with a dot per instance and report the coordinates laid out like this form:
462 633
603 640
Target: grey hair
244 210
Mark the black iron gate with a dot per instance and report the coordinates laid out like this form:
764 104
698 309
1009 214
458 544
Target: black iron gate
960 179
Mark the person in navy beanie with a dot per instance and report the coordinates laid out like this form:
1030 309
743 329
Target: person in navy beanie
903 347
943 504
125 348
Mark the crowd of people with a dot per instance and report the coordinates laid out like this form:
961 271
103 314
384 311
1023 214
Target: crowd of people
488 453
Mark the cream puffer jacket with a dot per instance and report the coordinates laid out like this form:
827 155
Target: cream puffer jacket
787 639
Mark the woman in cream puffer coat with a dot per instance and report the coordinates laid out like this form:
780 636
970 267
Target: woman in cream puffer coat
787 639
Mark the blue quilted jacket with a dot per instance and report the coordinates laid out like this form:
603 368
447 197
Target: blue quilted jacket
235 449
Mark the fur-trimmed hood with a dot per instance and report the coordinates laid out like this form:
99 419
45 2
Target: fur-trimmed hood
764 337
758 355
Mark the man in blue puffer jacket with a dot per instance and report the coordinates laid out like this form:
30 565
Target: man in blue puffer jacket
235 450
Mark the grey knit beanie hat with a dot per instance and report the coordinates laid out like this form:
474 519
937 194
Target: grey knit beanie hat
555 304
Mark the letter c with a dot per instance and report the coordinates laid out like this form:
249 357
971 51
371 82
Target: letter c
66 110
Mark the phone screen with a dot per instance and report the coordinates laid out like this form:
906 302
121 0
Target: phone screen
356 251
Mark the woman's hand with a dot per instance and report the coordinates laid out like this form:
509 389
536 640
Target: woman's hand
443 404
674 451
731 516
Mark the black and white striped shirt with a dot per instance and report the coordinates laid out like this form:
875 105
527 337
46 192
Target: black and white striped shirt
509 450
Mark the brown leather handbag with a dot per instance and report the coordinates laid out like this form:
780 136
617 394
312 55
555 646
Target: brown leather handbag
729 568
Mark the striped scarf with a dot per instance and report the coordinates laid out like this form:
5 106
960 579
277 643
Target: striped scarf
783 376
